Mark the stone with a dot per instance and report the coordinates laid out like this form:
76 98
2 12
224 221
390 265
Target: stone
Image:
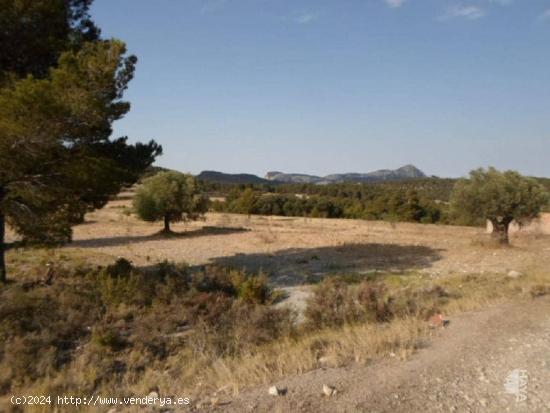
514 274
437 320
323 360
329 390
276 391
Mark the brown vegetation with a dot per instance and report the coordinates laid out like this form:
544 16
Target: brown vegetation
129 327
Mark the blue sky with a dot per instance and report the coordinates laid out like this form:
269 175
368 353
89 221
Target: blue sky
330 86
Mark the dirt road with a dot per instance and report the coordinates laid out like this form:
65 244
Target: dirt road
464 368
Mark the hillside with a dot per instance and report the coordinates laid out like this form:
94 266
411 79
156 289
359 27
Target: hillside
223 178
405 172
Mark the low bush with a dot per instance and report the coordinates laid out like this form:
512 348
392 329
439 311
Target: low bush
121 329
331 305
374 303
101 327
336 302
121 283
109 338
420 302
539 290
39 330
237 284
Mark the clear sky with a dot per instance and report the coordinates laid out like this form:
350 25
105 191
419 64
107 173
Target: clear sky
326 86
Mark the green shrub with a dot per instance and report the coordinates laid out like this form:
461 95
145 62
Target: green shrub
253 289
214 279
121 283
237 284
121 268
128 289
109 338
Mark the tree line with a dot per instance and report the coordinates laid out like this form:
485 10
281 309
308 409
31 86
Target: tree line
391 205
487 194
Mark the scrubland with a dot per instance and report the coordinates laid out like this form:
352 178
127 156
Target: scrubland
234 302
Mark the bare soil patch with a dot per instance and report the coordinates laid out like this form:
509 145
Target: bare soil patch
295 251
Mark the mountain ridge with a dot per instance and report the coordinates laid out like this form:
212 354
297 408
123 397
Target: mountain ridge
224 178
403 173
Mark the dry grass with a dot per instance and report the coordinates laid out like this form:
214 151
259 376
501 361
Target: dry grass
133 347
111 233
364 342
328 348
203 373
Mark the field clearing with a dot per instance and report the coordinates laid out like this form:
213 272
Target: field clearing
297 251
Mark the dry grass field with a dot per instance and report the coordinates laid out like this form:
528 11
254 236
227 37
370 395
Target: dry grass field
453 269
297 251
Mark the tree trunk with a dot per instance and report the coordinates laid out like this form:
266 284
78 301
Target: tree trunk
500 231
3 276
166 224
2 249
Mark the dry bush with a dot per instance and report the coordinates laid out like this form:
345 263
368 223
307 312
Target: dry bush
335 302
331 304
360 341
123 330
39 330
420 302
539 290
267 237
104 328
487 241
120 283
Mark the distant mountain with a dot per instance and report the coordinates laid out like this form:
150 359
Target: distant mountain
403 173
223 178
297 178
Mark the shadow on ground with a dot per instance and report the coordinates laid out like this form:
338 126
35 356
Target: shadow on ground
158 236
296 266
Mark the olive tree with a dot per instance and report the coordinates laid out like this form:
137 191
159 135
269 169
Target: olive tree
170 196
500 197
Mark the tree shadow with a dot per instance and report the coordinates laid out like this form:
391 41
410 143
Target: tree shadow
157 236
297 266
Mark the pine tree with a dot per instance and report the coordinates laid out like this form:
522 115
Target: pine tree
57 105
